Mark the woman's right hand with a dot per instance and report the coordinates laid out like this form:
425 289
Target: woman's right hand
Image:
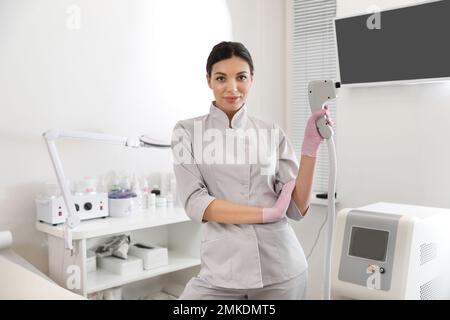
278 211
312 137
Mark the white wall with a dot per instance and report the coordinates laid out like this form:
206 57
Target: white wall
260 25
392 146
131 67
392 139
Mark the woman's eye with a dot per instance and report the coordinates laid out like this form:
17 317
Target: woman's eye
242 77
220 78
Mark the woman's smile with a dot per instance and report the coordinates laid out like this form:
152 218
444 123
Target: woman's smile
232 99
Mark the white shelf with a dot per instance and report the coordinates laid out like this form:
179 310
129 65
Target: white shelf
102 279
110 225
183 253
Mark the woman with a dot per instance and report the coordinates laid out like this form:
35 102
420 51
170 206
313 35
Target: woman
248 249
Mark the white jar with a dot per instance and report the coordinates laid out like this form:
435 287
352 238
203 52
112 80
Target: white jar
122 207
161 201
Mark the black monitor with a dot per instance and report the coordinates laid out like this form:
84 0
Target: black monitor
412 44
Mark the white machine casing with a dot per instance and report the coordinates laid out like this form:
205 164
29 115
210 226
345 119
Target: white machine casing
417 253
52 210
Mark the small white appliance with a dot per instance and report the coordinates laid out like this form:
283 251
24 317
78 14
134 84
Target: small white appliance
53 210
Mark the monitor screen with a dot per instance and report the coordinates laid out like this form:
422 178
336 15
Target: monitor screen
411 44
368 243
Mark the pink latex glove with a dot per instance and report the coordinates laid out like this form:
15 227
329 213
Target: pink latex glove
278 210
312 138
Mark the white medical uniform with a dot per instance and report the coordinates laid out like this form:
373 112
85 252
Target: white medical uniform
239 258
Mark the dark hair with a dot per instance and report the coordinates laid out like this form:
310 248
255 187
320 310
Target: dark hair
226 50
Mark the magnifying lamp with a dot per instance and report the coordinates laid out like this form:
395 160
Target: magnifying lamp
50 136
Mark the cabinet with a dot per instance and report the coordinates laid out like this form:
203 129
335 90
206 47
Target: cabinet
169 227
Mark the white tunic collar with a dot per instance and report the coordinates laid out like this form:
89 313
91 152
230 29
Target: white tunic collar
239 119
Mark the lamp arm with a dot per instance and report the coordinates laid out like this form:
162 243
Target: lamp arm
62 181
54 134
72 219
50 137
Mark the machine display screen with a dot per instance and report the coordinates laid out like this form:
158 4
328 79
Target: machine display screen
368 243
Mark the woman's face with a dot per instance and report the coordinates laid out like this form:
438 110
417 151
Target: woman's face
230 82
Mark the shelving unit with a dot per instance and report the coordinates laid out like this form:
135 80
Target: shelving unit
102 279
169 227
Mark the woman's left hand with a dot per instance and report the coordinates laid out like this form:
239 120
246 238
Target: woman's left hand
312 137
278 211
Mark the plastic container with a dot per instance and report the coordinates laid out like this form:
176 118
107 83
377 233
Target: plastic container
122 203
102 185
170 200
114 183
145 193
151 200
90 185
152 256
156 190
136 188
161 202
129 267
